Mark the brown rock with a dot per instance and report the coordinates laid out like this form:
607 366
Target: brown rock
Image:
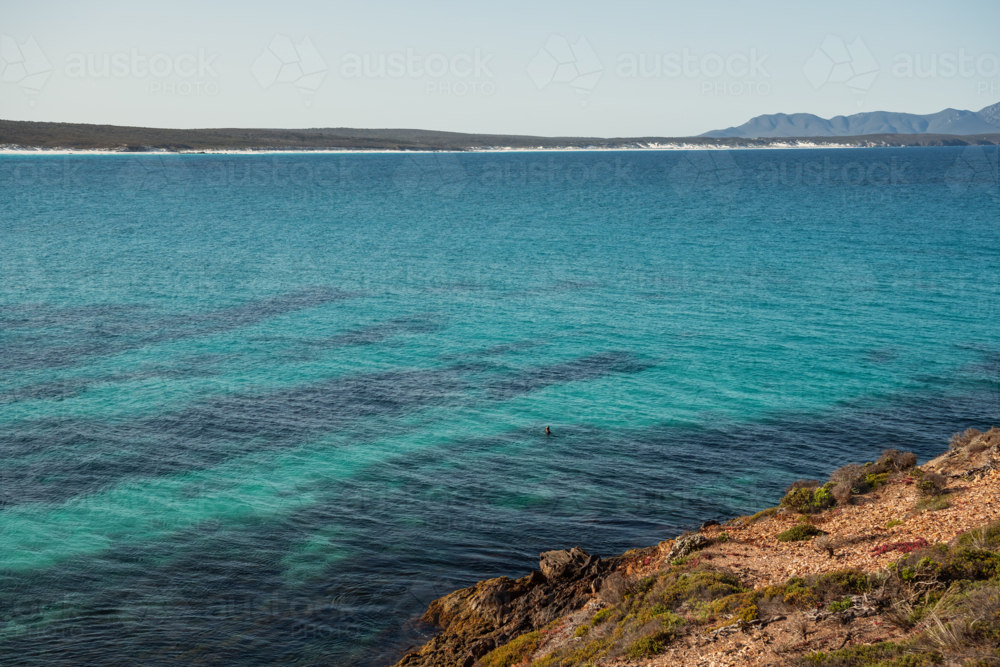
477 619
566 564
686 544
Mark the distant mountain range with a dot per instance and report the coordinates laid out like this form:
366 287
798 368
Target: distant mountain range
949 121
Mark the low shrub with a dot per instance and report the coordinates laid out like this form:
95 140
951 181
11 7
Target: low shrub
932 484
932 504
876 480
840 605
763 514
840 583
803 484
513 652
848 475
854 478
963 439
944 565
800 532
702 585
808 499
644 647
824 544
843 494
984 537
898 460
602 616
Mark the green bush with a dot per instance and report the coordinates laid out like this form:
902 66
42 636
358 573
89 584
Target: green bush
808 500
763 514
644 647
602 616
701 585
875 481
840 605
800 532
840 582
514 652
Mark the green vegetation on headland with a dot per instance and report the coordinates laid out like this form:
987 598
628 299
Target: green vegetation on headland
25 134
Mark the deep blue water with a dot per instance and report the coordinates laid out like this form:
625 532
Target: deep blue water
260 410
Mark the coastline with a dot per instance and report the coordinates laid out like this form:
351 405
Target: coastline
40 151
746 593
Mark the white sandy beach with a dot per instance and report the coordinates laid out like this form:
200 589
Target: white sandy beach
778 145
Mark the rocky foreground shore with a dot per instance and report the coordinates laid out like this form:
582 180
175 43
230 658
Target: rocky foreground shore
887 564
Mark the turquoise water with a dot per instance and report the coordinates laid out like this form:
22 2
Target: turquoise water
263 409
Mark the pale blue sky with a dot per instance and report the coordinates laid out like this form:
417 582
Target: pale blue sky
230 78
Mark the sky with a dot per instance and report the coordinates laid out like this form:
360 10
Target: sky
627 68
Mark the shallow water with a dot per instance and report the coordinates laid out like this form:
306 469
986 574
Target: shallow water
262 409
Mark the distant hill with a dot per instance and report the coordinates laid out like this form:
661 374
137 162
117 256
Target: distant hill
31 135
949 121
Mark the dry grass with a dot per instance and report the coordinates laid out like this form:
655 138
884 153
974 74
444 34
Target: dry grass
962 440
898 460
825 545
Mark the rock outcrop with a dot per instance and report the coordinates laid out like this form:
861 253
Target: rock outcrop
477 619
567 564
685 545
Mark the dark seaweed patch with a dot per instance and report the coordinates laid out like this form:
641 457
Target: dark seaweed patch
87 455
109 330
585 368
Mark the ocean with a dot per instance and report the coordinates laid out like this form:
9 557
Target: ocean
262 409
